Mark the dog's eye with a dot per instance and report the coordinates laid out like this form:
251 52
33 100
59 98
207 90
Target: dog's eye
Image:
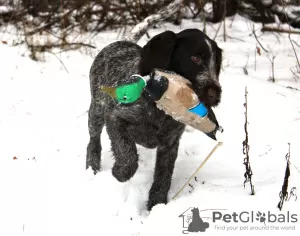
196 59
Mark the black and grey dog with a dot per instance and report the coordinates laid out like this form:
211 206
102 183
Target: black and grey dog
189 53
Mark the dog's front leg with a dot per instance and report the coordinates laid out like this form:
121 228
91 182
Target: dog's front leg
165 160
123 148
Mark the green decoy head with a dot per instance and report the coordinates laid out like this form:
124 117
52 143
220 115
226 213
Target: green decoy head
127 93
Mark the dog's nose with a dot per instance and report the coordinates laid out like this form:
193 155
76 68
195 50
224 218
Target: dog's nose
211 93
213 97
208 90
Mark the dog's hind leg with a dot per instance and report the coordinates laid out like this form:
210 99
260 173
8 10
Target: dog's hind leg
95 123
123 148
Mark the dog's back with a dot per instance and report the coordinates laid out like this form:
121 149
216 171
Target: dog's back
114 64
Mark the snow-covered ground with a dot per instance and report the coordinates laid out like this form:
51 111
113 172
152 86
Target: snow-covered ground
45 190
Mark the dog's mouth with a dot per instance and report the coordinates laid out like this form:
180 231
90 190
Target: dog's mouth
211 115
208 91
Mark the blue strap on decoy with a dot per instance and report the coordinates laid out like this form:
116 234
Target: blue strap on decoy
199 110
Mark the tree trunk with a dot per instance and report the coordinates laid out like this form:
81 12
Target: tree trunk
40 5
222 8
231 7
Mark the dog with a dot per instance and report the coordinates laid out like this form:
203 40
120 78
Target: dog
190 53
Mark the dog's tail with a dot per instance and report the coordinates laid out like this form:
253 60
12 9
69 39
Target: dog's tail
140 29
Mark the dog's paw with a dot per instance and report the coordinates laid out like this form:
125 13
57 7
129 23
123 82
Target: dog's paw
93 162
123 173
209 93
93 158
156 198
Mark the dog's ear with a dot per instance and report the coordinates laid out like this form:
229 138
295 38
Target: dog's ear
157 52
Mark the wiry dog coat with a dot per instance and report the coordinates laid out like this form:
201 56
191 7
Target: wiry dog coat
189 53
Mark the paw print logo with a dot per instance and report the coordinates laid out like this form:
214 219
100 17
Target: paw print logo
261 217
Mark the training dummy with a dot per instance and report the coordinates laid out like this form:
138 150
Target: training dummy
173 94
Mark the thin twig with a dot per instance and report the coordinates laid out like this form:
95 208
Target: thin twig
296 76
197 170
253 31
248 174
294 51
204 19
271 29
230 37
235 38
289 87
255 57
266 152
219 27
60 61
245 67
293 193
283 195
296 43
50 23
83 114
42 48
290 31
224 18
272 60
232 21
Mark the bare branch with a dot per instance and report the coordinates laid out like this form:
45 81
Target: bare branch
284 190
271 29
248 174
60 61
253 31
140 29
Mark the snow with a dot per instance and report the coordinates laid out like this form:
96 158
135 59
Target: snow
267 2
43 123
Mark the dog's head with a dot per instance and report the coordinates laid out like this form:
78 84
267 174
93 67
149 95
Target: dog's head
189 53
